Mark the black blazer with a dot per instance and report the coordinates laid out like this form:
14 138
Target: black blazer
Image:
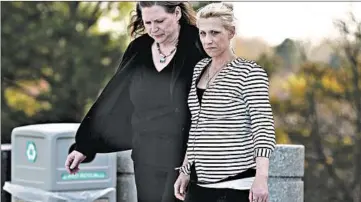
106 127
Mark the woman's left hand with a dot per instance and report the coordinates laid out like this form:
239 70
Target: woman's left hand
259 190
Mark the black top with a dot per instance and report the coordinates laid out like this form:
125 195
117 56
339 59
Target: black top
150 95
200 92
158 124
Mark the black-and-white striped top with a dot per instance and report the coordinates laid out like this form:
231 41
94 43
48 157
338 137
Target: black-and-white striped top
234 123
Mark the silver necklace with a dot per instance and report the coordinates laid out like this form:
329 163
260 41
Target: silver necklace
210 78
208 73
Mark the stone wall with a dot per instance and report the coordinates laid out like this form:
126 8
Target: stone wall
285 177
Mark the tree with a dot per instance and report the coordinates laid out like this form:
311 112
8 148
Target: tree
351 46
293 53
271 63
55 59
323 112
199 4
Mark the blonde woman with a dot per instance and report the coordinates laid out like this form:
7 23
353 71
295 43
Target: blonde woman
232 131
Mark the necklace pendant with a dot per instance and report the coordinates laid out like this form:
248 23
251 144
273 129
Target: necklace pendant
162 60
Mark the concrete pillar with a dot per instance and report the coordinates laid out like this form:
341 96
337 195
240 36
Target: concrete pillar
285 181
126 191
286 174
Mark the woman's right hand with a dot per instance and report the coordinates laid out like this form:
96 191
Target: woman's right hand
73 160
180 186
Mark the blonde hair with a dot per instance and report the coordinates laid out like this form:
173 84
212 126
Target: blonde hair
223 11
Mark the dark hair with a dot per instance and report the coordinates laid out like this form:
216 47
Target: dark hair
188 14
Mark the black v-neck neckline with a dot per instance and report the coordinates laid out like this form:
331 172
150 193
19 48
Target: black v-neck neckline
167 68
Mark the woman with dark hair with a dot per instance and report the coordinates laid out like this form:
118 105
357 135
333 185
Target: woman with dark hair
144 106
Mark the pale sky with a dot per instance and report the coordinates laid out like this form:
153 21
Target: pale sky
274 21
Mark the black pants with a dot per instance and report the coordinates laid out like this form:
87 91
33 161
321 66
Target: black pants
154 184
197 193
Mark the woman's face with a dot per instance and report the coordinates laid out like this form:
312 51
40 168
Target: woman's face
159 24
214 36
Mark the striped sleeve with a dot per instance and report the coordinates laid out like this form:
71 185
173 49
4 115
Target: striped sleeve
185 169
256 96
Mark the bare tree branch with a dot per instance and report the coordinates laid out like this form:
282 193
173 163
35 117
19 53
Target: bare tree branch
352 50
93 17
313 120
73 7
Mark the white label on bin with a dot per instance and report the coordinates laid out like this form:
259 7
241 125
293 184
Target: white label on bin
84 176
31 152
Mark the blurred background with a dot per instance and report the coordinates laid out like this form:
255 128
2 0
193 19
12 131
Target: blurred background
57 56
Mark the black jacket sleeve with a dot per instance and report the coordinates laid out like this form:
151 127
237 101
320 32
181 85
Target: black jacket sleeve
108 121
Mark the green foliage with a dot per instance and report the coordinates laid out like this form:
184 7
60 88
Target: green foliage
292 53
199 4
55 59
271 63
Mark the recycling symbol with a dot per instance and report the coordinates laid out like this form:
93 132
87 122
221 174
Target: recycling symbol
31 152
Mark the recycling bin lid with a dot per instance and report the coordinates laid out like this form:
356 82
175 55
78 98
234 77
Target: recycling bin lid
48 128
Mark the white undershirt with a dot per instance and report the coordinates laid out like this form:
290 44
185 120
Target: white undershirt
239 184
